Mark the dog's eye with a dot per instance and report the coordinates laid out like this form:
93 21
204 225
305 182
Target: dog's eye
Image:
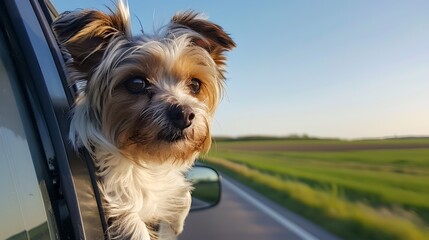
195 85
136 85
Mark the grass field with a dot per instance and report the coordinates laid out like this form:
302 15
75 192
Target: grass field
373 189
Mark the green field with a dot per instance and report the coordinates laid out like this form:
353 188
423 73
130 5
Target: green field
372 189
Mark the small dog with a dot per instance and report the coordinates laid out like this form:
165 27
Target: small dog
145 110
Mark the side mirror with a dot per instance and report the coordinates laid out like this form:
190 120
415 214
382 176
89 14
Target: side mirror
207 187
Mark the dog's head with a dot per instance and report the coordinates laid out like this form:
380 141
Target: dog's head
149 97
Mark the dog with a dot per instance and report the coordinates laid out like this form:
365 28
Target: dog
144 111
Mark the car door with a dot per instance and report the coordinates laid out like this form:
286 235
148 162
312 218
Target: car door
33 67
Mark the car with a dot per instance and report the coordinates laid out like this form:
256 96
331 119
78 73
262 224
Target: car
48 190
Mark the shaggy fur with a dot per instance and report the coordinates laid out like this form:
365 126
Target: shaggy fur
144 112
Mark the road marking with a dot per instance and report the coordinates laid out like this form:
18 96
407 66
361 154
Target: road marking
274 215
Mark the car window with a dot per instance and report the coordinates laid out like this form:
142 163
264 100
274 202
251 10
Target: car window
25 210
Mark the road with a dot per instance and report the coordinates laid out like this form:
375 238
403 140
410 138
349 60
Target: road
245 214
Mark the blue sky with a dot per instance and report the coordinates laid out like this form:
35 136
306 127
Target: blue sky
348 69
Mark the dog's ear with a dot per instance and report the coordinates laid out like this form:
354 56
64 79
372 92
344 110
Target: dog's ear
86 33
210 36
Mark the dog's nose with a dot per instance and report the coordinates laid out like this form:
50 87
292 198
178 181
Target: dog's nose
181 116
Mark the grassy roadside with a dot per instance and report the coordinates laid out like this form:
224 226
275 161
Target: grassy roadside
388 178
350 220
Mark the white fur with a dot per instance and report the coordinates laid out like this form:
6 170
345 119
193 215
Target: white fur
136 194
124 10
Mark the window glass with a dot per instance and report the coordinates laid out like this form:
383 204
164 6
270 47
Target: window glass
22 210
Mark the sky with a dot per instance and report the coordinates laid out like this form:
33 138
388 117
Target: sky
333 68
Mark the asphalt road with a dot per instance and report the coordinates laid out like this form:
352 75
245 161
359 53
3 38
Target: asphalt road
245 214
